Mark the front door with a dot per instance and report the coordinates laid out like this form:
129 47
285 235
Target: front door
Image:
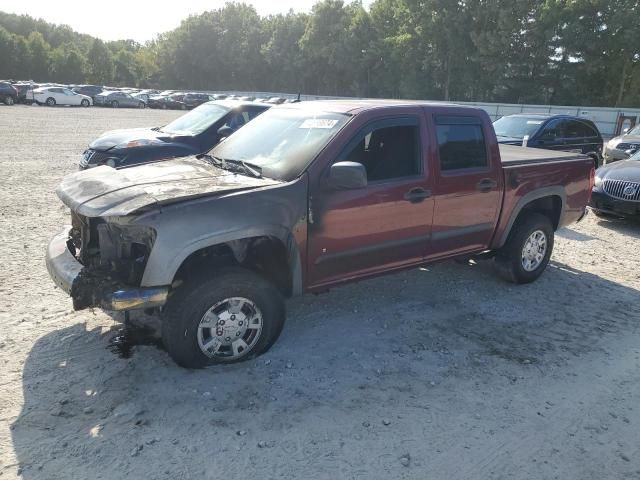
354 233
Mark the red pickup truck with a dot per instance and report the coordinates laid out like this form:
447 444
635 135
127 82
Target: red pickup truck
306 197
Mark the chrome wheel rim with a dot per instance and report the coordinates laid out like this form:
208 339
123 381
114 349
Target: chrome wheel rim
534 251
230 328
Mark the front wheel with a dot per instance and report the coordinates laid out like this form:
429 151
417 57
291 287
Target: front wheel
142 105
85 103
229 318
9 100
51 102
526 254
115 104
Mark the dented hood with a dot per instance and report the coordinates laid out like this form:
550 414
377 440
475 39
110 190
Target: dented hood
104 191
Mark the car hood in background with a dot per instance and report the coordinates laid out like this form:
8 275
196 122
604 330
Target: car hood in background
105 191
114 138
628 170
509 140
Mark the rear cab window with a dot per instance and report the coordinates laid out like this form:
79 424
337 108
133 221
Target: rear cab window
461 143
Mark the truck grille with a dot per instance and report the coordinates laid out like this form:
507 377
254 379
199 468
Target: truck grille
622 190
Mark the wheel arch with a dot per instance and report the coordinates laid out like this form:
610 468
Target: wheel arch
550 201
271 251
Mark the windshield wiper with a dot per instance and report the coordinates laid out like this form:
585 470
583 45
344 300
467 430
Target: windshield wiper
232 165
249 168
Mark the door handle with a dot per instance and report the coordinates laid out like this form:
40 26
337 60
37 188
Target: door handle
417 195
486 185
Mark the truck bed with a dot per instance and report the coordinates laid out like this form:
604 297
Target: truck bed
513 155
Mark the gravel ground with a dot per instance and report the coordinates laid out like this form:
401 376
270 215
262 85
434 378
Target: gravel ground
437 373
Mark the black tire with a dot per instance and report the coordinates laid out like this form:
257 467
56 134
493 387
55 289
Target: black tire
51 102
164 106
8 100
115 104
509 259
84 103
142 105
186 307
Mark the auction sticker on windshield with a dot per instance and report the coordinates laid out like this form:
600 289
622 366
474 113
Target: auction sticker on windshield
319 123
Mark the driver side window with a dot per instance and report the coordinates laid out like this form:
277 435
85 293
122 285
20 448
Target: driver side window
387 152
552 130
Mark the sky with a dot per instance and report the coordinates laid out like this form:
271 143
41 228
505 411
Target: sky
139 20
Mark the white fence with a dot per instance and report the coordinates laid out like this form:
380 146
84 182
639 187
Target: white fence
605 118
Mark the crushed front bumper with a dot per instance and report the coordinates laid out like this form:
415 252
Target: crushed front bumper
94 290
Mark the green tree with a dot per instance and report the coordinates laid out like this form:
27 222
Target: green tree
38 58
99 63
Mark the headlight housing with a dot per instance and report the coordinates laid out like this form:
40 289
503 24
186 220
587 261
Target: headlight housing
597 182
142 142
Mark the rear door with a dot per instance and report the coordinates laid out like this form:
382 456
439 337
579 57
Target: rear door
386 225
468 186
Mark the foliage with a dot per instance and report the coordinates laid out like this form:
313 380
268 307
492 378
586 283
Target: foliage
523 51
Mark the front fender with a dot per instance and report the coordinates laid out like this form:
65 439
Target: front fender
184 228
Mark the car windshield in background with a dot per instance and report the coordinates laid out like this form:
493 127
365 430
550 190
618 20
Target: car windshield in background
517 127
281 142
634 131
196 121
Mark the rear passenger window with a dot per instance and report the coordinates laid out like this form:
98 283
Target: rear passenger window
388 152
461 143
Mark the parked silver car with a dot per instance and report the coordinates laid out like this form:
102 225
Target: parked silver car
620 148
117 99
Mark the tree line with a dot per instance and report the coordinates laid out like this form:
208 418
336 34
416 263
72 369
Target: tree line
563 52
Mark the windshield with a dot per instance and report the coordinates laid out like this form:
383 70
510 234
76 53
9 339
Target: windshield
634 131
517 127
281 142
196 121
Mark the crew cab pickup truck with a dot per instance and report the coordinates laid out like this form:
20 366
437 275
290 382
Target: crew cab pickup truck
306 197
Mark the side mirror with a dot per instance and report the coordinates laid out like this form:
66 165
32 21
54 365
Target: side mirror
225 131
347 176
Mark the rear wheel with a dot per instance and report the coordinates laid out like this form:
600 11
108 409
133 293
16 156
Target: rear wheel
85 103
51 102
115 104
8 100
229 318
164 106
526 254
142 105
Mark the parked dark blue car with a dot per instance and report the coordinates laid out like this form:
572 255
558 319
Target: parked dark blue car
551 132
196 132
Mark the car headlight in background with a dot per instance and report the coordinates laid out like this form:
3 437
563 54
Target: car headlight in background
597 182
142 142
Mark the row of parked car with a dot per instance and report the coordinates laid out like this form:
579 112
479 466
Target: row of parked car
12 92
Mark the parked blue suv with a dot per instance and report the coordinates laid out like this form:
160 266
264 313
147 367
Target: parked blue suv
552 132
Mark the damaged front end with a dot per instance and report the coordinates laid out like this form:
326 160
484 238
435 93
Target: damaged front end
100 263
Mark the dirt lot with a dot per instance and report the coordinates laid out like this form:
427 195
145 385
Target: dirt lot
438 373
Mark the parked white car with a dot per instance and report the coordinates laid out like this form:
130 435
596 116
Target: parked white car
52 96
